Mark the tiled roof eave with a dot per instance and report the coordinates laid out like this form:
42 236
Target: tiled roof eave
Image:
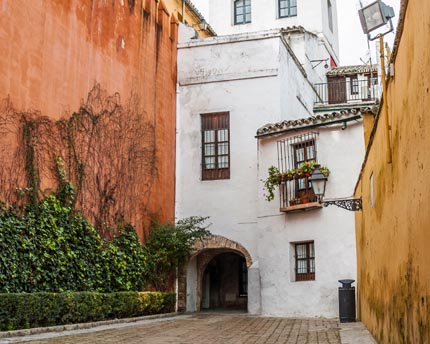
352 70
313 121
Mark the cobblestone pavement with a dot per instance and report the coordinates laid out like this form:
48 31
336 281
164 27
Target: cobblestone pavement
210 328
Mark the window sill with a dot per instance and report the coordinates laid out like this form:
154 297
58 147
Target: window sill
291 16
302 207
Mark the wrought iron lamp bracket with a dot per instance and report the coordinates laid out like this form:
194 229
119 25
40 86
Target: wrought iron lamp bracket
351 204
318 62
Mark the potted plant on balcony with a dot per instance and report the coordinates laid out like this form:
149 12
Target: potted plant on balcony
304 199
277 178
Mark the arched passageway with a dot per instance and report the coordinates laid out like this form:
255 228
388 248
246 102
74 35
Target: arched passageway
216 276
225 283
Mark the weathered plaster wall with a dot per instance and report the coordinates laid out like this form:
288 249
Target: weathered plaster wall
393 235
54 51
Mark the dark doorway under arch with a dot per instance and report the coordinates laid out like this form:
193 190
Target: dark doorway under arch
225 282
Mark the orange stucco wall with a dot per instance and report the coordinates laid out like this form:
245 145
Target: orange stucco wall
53 53
393 236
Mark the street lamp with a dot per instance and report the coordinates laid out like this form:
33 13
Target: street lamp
374 16
319 180
203 25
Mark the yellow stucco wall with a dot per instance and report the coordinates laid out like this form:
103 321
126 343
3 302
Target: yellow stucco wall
393 236
189 16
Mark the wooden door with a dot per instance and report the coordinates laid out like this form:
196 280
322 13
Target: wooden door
337 90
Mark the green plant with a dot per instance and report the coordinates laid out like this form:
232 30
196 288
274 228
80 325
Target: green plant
276 177
125 259
25 310
272 181
168 247
325 171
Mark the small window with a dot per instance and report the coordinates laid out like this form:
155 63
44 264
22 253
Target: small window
242 12
287 8
304 151
304 253
215 146
354 85
330 15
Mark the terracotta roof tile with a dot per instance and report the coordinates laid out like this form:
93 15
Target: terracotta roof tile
351 70
274 128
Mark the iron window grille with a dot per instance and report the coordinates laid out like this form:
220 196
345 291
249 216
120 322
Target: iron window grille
305 261
242 12
215 145
287 8
292 153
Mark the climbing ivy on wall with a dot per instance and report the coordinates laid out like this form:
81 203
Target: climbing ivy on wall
105 149
52 247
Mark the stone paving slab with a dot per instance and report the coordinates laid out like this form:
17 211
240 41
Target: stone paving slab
201 328
355 333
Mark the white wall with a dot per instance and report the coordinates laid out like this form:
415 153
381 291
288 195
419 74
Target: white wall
311 14
256 79
331 229
250 90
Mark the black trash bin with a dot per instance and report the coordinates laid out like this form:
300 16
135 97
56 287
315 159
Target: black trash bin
346 301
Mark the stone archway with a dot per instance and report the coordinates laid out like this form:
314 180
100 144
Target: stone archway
190 279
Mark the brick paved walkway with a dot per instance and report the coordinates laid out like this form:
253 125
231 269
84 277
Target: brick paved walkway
210 328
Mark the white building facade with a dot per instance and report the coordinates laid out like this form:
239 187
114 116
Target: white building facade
242 16
229 87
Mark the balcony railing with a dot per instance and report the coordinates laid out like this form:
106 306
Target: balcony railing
347 91
297 195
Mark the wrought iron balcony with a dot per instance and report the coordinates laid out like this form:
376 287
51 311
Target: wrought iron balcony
297 195
347 91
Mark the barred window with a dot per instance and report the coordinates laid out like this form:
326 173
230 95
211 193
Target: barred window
293 152
215 146
305 261
304 151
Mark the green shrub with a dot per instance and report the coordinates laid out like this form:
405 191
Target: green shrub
49 247
26 310
125 262
168 248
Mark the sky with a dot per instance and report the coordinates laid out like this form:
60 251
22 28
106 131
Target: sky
352 40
